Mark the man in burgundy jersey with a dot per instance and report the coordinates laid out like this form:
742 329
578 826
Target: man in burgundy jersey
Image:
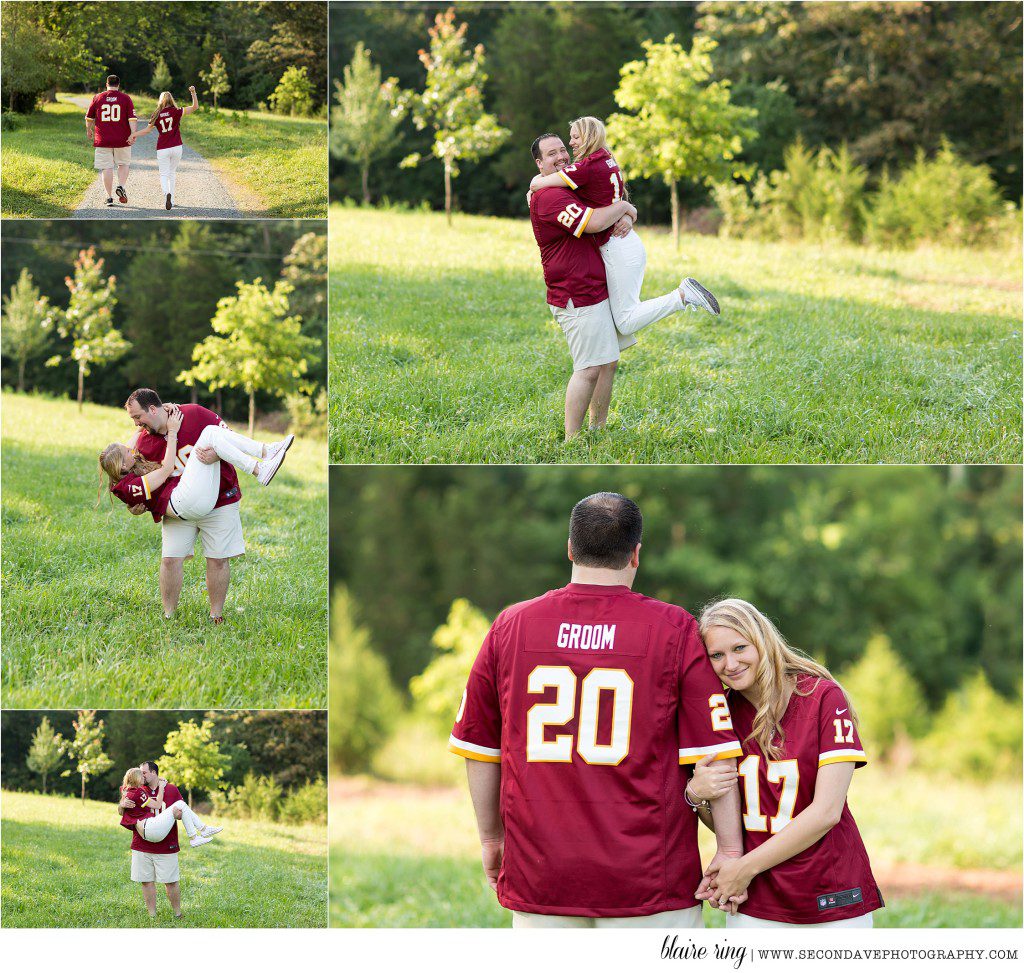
582 712
110 123
577 290
156 861
220 530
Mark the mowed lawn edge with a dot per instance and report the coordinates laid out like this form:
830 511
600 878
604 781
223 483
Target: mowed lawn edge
67 864
442 350
82 619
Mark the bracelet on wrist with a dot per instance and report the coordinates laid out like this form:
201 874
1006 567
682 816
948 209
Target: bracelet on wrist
706 804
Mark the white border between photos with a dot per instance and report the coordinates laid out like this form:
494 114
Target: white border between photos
498 950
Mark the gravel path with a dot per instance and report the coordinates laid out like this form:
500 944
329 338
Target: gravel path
198 193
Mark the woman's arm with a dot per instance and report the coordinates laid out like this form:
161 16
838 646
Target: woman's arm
157 478
546 182
188 109
810 825
607 216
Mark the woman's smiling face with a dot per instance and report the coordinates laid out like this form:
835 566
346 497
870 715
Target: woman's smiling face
732 657
574 140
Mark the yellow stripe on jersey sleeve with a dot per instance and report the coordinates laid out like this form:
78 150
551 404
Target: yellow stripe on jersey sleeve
842 757
567 180
585 219
720 751
472 751
145 486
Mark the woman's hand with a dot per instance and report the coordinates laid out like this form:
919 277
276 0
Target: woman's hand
712 779
730 883
174 420
192 89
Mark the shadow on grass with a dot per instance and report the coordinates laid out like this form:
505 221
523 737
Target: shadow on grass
56 877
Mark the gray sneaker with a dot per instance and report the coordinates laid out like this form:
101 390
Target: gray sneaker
200 839
274 448
270 465
698 295
209 830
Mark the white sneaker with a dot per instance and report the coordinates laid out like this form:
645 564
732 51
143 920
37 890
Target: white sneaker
699 296
274 448
199 839
270 465
209 830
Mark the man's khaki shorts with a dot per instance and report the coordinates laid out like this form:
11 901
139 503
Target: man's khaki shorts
109 158
591 334
220 531
679 919
154 868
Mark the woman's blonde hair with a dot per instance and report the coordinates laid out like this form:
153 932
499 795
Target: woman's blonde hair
592 136
132 778
166 98
110 464
777 664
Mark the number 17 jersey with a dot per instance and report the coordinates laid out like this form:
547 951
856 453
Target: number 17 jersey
594 699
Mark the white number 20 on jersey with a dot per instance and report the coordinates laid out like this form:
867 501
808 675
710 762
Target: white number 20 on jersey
110 113
559 712
570 215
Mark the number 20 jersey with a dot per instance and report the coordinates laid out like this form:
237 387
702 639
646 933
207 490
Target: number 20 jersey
832 879
594 699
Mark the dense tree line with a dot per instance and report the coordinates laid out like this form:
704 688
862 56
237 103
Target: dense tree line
169 278
885 78
290 746
929 557
73 46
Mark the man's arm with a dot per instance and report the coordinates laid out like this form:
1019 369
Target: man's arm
90 127
725 813
485 790
607 216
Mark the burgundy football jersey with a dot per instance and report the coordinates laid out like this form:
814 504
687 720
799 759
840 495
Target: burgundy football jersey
141 810
832 879
593 699
596 181
168 128
170 844
135 489
573 269
194 420
111 110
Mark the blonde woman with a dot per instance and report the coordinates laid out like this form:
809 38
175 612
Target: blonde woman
805 862
167 122
596 179
193 494
152 820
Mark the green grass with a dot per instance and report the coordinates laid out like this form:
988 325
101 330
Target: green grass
408 856
82 620
443 350
275 166
47 164
67 864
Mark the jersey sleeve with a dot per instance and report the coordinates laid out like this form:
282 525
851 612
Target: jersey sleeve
838 739
90 112
705 723
477 731
132 490
580 175
131 106
561 209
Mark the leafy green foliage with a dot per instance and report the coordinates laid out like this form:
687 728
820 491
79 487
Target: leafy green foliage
305 804
262 798
86 748
364 704
192 758
47 751
27 323
216 78
161 80
294 93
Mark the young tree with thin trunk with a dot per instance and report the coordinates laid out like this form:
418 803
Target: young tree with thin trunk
216 78
88 321
256 346
365 120
192 758
684 126
86 749
452 103
28 324
46 752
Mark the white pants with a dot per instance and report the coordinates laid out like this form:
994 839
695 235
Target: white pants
199 484
625 261
679 919
167 160
159 827
740 921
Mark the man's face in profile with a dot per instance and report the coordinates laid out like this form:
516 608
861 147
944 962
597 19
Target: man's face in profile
553 156
152 419
149 775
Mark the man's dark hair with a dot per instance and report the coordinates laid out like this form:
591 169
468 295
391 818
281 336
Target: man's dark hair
151 764
540 138
146 399
604 530
113 81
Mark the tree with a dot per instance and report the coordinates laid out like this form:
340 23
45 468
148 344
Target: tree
192 758
452 103
257 346
293 94
305 269
47 751
88 321
86 749
161 80
683 125
364 123
216 78
28 322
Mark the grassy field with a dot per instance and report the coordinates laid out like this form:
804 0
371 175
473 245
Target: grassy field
66 864
82 619
406 855
275 166
442 350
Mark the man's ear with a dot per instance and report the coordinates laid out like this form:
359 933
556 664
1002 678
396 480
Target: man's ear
568 549
634 558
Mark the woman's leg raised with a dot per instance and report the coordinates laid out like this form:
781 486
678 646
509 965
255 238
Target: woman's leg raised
625 262
159 826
